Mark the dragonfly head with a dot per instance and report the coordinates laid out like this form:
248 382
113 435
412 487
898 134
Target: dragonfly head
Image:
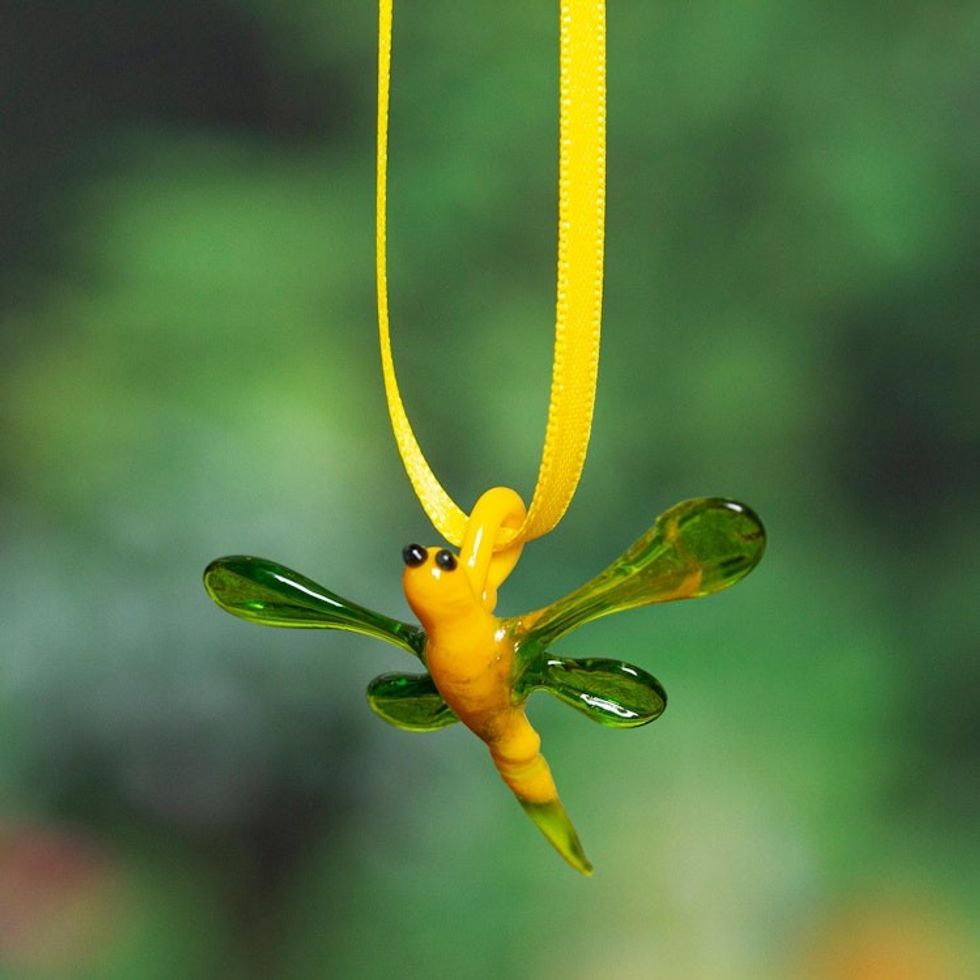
435 586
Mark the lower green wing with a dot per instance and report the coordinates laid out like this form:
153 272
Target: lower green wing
265 592
409 701
696 548
613 693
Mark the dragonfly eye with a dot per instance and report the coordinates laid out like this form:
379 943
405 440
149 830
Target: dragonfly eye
446 560
414 555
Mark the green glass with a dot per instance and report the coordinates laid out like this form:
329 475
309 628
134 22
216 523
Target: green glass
270 594
696 548
616 694
409 701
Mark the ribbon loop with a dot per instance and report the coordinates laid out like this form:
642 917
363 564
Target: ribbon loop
578 310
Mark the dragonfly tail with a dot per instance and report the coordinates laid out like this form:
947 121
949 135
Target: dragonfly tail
553 822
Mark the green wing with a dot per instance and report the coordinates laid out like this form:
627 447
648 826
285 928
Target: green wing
264 592
696 548
613 693
409 701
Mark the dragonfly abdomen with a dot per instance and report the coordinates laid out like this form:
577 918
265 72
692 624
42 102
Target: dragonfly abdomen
516 752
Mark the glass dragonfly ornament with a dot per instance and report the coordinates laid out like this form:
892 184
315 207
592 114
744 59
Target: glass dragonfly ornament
480 668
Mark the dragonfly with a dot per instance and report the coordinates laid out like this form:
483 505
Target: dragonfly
481 669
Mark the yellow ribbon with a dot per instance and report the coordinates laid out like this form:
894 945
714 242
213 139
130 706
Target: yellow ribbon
578 315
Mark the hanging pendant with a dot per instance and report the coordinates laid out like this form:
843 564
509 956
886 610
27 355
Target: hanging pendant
480 668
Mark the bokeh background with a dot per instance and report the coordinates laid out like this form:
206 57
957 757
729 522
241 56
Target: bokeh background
189 369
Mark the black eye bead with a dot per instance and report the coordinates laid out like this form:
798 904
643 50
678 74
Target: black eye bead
446 560
414 555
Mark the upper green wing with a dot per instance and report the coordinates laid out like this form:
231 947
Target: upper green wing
696 548
265 592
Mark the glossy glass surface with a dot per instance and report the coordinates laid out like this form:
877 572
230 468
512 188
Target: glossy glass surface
270 594
409 701
695 549
613 693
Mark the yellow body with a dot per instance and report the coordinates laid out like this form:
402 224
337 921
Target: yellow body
470 657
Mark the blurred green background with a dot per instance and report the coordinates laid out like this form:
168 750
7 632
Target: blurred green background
189 369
